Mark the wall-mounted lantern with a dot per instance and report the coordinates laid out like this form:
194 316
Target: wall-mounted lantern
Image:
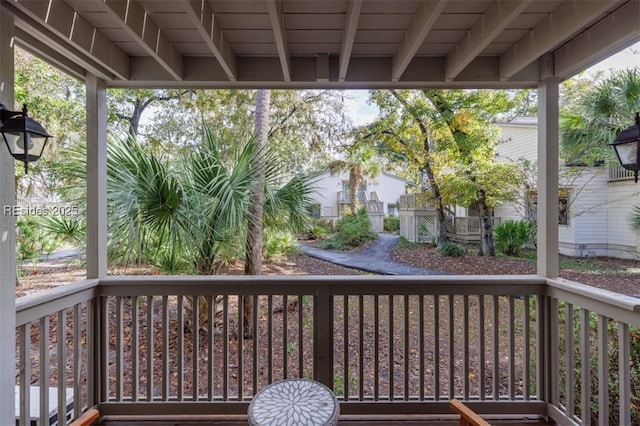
627 147
25 137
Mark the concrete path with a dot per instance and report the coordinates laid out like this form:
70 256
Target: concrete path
375 259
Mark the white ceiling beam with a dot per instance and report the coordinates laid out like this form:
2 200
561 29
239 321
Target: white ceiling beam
205 22
277 23
492 22
65 23
348 36
423 20
135 20
617 31
554 30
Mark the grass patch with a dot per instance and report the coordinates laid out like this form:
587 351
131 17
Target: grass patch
404 244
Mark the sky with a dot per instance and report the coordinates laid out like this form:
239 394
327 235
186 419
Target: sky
362 114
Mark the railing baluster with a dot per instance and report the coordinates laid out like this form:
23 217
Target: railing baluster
119 347
465 345
225 347
496 348
180 349
165 346
256 314
270 338
436 347
44 370
240 334
603 370
135 356
24 335
210 347
585 366
450 344
195 347
624 374
421 351
554 349
345 337
62 362
481 372
569 360
300 337
77 360
526 327
376 342
361 347
391 345
406 347
285 336
512 348
150 351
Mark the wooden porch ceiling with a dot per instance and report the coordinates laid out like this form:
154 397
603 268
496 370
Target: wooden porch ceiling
327 43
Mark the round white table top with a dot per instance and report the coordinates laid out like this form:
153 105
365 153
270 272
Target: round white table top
294 402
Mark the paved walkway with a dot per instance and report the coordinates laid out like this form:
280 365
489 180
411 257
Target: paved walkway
375 259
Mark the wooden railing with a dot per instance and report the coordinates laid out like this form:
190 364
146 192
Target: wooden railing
465 225
55 346
617 172
140 346
417 201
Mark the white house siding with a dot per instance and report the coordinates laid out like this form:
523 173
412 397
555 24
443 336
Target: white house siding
388 187
518 141
622 197
586 233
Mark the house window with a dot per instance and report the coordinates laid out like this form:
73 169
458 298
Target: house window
315 210
564 197
346 188
392 210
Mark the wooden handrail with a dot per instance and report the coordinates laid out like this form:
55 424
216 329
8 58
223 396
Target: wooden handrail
468 417
89 416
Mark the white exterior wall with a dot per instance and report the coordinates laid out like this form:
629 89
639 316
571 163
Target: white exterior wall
622 197
586 233
518 141
327 186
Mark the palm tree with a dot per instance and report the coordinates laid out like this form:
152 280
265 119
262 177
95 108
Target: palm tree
361 162
600 116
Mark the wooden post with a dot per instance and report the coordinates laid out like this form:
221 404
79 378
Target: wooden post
7 233
96 177
548 135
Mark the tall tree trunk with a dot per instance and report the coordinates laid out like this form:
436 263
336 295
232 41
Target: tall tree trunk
486 226
355 180
253 257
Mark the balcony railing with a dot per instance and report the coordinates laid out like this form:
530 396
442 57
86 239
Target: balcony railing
417 201
516 345
466 225
617 172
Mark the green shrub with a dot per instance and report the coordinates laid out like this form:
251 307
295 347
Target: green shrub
451 249
327 224
355 230
316 232
511 236
33 240
391 224
278 244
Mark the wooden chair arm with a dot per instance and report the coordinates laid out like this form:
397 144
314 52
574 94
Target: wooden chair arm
89 416
467 416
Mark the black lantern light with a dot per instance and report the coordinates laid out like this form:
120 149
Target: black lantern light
627 146
25 137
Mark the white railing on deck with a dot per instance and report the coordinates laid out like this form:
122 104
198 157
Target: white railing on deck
55 350
509 345
470 225
416 201
593 327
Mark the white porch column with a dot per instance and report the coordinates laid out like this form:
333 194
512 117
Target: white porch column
96 177
7 234
548 135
